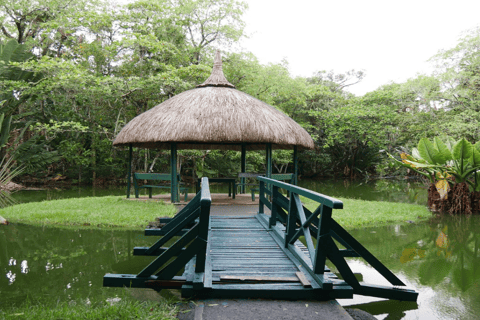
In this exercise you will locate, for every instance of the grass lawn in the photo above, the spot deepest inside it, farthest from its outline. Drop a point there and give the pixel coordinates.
(123, 307)
(361, 213)
(116, 211)
(111, 211)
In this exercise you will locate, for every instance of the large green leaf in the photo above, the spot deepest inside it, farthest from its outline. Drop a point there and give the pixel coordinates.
(416, 154)
(415, 164)
(6, 50)
(475, 158)
(14, 52)
(443, 150)
(428, 152)
(462, 151)
(449, 143)
(4, 129)
(477, 145)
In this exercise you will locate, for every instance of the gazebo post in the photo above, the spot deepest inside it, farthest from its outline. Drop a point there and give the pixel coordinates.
(295, 165)
(268, 151)
(243, 166)
(269, 160)
(173, 170)
(129, 173)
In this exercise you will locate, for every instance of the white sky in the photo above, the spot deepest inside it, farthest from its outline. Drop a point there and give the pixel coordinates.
(390, 40)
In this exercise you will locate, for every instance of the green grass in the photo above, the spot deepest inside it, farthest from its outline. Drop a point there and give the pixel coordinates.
(111, 211)
(119, 308)
(360, 213)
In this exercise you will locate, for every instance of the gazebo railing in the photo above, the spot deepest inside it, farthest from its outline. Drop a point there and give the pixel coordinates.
(321, 227)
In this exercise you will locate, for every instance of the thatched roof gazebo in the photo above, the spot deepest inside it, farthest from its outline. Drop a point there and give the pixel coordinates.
(214, 115)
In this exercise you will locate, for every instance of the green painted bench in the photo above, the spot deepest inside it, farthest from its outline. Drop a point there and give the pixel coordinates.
(288, 177)
(156, 177)
(244, 176)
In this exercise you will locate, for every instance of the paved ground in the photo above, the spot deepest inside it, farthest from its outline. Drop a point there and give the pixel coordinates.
(241, 309)
(218, 199)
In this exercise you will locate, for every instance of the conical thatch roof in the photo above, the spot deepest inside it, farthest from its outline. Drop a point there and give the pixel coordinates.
(214, 116)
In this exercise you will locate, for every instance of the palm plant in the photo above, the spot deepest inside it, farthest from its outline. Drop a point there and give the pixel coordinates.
(7, 173)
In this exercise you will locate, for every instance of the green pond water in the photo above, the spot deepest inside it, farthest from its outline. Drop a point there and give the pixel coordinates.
(439, 258)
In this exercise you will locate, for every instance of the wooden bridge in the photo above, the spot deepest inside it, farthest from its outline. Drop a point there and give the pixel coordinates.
(259, 256)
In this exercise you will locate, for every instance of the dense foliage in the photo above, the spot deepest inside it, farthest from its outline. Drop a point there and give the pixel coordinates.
(75, 73)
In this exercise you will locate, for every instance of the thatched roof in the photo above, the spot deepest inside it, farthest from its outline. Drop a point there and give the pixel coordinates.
(214, 116)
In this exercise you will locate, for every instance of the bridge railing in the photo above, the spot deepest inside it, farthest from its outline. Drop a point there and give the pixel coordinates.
(290, 220)
(191, 224)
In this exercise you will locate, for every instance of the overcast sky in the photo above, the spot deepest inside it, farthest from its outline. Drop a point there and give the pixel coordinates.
(390, 40)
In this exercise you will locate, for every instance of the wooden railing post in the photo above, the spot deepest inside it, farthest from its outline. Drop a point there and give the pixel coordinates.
(273, 217)
(291, 220)
(205, 202)
(323, 233)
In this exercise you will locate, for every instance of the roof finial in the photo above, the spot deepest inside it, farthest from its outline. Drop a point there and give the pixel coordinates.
(217, 78)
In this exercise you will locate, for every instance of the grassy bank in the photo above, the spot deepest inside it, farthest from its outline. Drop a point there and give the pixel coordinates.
(111, 211)
(361, 213)
(117, 308)
(116, 211)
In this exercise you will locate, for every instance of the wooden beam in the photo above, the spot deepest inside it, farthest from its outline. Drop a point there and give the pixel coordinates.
(303, 279)
(253, 278)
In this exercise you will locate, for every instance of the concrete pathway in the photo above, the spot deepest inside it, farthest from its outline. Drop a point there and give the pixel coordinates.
(241, 309)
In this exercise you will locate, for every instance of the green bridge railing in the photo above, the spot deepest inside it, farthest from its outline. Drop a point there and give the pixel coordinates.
(191, 225)
(290, 219)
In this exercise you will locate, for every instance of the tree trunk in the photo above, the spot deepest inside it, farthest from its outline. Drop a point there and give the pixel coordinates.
(461, 199)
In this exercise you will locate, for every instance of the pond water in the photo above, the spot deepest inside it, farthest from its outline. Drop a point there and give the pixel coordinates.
(439, 258)
(43, 264)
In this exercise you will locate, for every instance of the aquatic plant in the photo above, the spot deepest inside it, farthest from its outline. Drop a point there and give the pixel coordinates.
(453, 169)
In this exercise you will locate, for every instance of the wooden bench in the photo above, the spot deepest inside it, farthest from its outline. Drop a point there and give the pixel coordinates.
(246, 175)
(288, 177)
(156, 177)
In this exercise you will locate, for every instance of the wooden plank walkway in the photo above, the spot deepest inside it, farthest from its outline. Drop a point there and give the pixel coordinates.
(247, 261)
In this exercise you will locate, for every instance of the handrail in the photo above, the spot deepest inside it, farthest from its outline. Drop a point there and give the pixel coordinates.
(197, 208)
(302, 222)
(328, 201)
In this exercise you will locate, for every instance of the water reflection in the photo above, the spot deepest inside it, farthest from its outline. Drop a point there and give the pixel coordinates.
(51, 263)
(440, 259)
(404, 191)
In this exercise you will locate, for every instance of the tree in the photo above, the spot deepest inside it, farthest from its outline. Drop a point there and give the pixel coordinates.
(208, 21)
(44, 25)
(458, 70)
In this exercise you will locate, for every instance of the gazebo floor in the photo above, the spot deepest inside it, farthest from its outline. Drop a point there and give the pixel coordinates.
(218, 199)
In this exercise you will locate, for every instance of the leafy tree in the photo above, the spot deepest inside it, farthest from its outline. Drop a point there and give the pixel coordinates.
(458, 70)
(47, 26)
